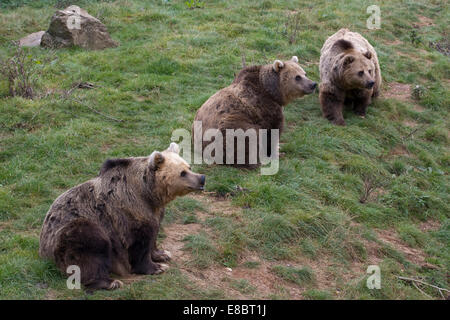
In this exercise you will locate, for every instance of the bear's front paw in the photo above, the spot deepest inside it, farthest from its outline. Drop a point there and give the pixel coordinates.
(115, 284)
(161, 268)
(361, 114)
(161, 256)
(339, 122)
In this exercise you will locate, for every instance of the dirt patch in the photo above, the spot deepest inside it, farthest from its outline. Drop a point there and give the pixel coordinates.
(141, 98)
(220, 205)
(399, 91)
(376, 194)
(423, 22)
(410, 123)
(218, 277)
(413, 255)
(4, 225)
(105, 147)
(395, 42)
(175, 234)
(399, 150)
(402, 92)
(213, 277)
(51, 295)
(259, 281)
(416, 56)
(262, 282)
(430, 225)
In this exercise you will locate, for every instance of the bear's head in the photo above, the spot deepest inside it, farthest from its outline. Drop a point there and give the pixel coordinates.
(172, 174)
(355, 70)
(293, 82)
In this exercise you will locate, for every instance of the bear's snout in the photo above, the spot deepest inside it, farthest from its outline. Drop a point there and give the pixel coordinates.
(196, 181)
(313, 86)
(370, 84)
(202, 180)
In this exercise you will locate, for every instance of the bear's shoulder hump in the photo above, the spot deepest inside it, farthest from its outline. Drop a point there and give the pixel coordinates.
(113, 163)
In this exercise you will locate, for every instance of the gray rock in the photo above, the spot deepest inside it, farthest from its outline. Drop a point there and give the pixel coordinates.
(73, 26)
(31, 40)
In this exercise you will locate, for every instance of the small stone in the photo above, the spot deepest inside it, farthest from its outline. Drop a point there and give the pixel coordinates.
(229, 269)
(32, 40)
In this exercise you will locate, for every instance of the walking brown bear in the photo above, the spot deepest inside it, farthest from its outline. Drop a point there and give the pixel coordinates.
(349, 75)
(109, 224)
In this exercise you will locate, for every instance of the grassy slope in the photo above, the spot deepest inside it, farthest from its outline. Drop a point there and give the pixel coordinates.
(170, 61)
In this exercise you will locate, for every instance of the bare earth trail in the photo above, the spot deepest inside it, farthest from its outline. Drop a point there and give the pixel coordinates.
(266, 284)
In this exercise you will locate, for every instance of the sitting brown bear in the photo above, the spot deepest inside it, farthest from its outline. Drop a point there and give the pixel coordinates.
(254, 100)
(349, 73)
(109, 224)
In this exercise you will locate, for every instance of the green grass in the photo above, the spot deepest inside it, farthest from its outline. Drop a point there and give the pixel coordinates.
(314, 294)
(170, 60)
(183, 209)
(251, 264)
(411, 235)
(202, 249)
(302, 276)
(243, 286)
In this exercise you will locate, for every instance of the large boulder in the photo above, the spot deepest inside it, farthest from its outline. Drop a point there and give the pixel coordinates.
(73, 26)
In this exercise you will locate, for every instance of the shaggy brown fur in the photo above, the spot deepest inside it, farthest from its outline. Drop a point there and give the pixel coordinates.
(255, 100)
(109, 224)
(349, 74)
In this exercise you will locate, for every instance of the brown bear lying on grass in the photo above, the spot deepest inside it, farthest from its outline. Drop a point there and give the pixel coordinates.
(255, 100)
(109, 224)
(349, 73)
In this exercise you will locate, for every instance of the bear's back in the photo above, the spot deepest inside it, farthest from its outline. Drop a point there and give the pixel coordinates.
(243, 104)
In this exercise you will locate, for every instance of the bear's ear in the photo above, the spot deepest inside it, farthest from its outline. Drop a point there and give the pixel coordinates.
(277, 65)
(156, 160)
(348, 60)
(174, 148)
(294, 59)
(368, 55)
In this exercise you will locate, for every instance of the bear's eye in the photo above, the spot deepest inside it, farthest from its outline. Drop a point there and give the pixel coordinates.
(298, 78)
(183, 173)
(361, 73)
(370, 72)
